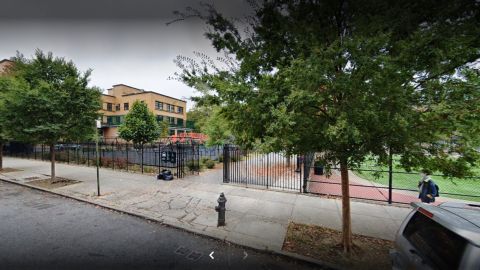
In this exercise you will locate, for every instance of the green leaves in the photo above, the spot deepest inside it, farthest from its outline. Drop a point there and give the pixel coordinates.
(352, 81)
(140, 125)
(52, 101)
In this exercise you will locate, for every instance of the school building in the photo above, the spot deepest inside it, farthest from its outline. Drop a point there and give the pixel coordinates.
(120, 98)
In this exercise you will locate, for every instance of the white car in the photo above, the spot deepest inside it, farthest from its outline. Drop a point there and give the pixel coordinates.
(446, 236)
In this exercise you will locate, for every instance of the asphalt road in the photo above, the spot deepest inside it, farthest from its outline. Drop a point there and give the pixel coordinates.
(43, 231)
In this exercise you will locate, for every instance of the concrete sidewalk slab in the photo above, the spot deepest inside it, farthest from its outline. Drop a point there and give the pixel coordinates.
(255, 218)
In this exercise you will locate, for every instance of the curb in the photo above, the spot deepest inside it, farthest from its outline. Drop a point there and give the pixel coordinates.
(281, 253)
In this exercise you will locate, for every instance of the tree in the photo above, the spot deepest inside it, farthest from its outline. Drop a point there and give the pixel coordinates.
(348, 79)
(53, 104)
(140, 126)
(210, 121)
(7, 85)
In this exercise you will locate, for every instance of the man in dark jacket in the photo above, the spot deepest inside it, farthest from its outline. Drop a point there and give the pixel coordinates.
(427, 188)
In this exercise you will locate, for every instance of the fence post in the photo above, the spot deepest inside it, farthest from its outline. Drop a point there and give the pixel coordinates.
(390, 175)
(307, 161)
(88, 154)
(226, 161)
(126, 150)
(113, 156)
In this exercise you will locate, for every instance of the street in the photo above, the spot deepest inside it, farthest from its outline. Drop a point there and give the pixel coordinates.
(43, 231)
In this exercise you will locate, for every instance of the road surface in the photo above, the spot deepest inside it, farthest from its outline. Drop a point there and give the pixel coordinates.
(44, 231)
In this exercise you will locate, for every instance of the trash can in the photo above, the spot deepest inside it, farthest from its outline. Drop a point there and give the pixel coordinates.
(318, 169)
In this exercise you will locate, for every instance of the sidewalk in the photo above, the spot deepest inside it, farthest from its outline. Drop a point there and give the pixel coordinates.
(255, 218)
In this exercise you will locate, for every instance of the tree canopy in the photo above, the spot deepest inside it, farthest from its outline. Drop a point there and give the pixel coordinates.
(140, 125)
(349, 79)
(53, 102)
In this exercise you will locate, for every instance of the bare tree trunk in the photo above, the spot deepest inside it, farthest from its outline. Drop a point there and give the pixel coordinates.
(52, 160)
(1, 156)
(346, 218)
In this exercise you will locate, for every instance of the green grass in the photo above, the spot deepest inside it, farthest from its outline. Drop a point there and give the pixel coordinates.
(405, 180)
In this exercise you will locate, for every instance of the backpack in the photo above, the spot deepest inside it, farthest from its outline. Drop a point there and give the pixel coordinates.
(437, 188)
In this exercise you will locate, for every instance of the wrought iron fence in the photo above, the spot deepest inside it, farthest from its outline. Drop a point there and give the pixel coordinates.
(181, 158)
(271, 170)
(391, 186)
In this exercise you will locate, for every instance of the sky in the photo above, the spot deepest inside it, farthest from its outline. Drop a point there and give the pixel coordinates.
(123, 41)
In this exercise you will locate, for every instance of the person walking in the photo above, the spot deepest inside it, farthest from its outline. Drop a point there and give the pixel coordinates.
(427, 188)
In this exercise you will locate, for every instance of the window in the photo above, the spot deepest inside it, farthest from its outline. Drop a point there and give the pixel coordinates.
(170, 108)
(115, 120)
(117, 107)
(109, 107)
(125, 106)
(159, 118)
(180, 122)
(436, 244)
(171, 120)
(180, 109)
(158, 105)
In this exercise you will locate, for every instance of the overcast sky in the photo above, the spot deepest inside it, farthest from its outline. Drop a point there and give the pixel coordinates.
(122, 41)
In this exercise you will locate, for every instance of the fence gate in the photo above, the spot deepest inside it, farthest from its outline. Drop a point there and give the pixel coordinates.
(271, 170)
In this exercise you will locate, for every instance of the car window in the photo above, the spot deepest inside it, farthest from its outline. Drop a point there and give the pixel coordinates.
(439, 246)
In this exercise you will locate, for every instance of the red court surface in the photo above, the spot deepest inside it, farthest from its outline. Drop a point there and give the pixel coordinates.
(360, 188)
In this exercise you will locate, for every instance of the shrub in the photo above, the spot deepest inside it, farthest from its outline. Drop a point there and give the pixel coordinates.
(203, 160)
(193, 165)
(210, 164)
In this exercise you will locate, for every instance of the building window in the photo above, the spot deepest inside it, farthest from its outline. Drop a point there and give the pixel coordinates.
(125, 106)
(109, 107)
(170, 108)
(159, 105)
(117, 107)
(180, 122)
(159, 118)
(180, 109)
(171, 120)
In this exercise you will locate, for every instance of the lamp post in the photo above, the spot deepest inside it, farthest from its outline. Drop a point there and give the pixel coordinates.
(99, 125)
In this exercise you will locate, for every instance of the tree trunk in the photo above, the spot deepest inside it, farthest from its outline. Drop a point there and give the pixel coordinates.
(346, 219)
(52, 160)
(1, 156)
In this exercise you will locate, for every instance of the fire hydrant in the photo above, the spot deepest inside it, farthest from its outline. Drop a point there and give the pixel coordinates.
(221, 209)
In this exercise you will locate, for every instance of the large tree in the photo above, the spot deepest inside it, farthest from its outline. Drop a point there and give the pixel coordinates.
(348, 79)
(54, 103)
(140, 126)
(7, 85)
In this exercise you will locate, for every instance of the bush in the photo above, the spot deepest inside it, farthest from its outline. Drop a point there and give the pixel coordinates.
(210, 164)
(203, 160)
(193, 165)
(220, 158)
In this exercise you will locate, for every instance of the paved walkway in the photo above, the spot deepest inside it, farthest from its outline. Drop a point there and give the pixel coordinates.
(255, 218)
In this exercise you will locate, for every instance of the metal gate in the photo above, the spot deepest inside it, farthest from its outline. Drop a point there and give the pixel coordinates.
(266, 170)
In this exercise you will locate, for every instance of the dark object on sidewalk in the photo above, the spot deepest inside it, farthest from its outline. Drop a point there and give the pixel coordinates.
(165, 175)
(221, 209)
(318, 168)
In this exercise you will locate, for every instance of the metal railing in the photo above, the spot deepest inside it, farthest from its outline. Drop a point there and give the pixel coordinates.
(181, 158)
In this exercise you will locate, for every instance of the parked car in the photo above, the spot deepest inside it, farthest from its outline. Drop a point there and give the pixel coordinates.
(446, 236)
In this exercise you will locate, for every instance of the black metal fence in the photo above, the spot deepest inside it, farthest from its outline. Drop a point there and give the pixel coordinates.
(391, 186)
(181, 158)
(271, 171)
(297, 173)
